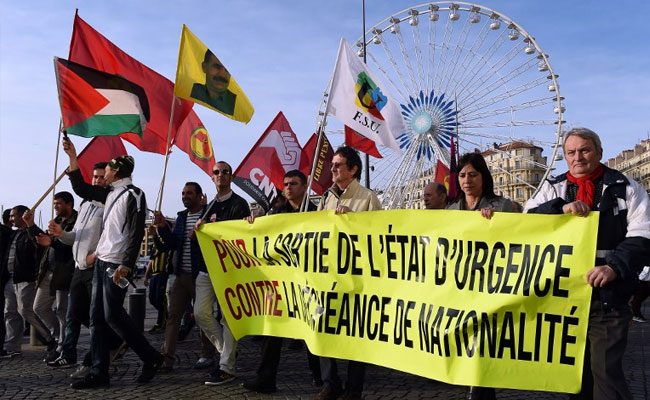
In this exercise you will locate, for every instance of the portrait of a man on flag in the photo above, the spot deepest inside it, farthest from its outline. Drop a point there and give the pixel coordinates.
(201, 77)
(215, 90)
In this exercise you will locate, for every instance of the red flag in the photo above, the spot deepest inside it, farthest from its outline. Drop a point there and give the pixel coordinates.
(361, 143)
(88, 47)
(193, 139)
(262, 171)
(100, 149)
(442, 175)
(323, 172)
(452, 192)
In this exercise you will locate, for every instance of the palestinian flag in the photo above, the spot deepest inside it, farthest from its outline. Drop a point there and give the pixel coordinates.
(96, 103)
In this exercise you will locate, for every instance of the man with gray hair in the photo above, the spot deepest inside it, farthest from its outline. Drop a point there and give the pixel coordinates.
(623, 248)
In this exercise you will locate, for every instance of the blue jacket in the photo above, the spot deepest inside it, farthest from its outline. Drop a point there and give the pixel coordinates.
(173, 240)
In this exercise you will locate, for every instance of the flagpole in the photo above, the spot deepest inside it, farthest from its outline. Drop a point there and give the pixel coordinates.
(56, 166)
(52, 186)
(363, 12)
(310, 181)
(168, 144)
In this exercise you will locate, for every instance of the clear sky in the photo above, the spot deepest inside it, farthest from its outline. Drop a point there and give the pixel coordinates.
(282, 54)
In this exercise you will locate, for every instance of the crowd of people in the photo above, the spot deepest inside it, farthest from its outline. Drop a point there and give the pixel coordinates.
(77, 272)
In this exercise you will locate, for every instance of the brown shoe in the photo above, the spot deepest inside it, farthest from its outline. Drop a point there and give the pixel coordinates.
(327, 393)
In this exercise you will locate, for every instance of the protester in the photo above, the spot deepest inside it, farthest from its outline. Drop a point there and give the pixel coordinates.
(5, 238)
(477, 188)
(115, 257)
(345, 195)
(476, 192)
(83, 237)
(227, 205)
(189, 261)
(155, 278)
(295, 189)
(55, 270)
(435, 196)
(623, 248)
(21, 265)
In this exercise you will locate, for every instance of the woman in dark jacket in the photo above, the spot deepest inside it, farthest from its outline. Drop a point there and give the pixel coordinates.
(476, 188)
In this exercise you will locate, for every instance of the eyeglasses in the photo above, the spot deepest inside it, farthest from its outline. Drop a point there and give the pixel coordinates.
(220, 172)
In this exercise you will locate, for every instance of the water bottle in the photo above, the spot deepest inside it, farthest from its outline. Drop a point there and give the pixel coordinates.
(123, 283)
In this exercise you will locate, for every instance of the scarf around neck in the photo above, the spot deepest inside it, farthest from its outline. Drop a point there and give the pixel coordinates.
(586, 186)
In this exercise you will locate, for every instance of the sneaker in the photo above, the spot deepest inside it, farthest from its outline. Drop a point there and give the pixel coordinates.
(639, 318)
(327, 393)
(61, 362)
(259, 386)
(150, 370)
(51, 356)
(10, 353)
(156, 329)
(317, 382)
(91, 382)
(219, 377)
(204, 363)
(81, 372)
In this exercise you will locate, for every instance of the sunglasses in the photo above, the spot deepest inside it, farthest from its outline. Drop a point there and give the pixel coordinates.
(220, 172)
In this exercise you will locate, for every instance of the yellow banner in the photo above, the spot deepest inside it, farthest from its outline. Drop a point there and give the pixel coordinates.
(447, 295)
(203, 79)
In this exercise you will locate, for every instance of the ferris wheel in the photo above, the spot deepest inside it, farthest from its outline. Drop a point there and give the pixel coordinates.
(461, 72)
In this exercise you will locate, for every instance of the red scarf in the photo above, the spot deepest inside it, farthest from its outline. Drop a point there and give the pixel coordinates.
(586, 187)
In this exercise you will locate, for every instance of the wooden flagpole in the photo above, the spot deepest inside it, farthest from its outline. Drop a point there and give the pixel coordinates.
(52, 186)
(168, 144)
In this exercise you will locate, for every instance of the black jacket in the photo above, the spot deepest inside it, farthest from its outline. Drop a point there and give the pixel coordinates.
(28, 255)
(63, 260)
(623, 229)
(173, 240)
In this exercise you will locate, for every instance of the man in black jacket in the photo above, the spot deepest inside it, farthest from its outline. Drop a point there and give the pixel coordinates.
(227, 205)
(116, 253)
(295, 189)
(21, 264)
(5, 237)
(55, 270)
(623, 248)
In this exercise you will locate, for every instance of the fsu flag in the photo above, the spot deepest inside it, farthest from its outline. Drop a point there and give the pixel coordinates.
(100, 149)
(262, 171)
(95, 103)
(359, 100)
(354, 140)
(323, 171)
(203, 79)
(193, 139)
(88, 47)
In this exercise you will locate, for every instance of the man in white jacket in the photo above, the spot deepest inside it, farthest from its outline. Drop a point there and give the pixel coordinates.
(83, 238)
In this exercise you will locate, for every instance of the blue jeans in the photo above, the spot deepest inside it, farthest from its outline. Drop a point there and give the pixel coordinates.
(107, 311)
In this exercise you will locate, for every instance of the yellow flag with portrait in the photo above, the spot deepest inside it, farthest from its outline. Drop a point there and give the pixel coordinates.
(202, 78)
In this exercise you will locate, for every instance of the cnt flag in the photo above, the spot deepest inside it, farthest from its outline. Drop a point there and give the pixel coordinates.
(359, 100)
(96, 103)
(276, 152)
(203, 79)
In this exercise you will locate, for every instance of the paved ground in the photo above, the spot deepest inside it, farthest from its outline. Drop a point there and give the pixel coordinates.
(26, 377)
